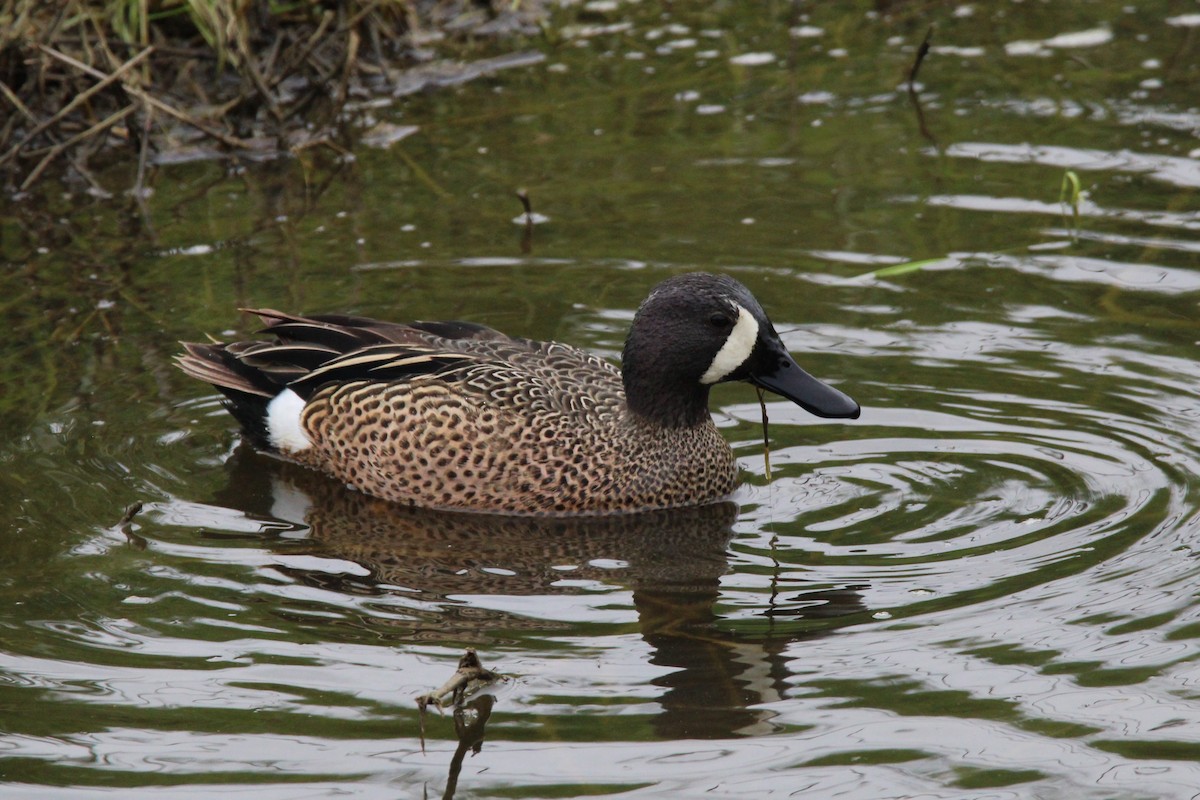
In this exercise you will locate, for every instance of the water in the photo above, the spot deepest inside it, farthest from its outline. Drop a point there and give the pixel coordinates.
(983, 588)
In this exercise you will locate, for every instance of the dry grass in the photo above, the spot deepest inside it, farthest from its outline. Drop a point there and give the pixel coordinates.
(78, 76)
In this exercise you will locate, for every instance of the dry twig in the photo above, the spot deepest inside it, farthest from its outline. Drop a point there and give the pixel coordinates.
(470, 674)
(59, 148)
(922, 51)
(153, 101)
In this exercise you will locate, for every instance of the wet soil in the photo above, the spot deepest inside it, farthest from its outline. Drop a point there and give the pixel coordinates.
(79, 92)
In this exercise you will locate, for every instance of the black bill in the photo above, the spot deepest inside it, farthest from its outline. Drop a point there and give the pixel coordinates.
(790, 381)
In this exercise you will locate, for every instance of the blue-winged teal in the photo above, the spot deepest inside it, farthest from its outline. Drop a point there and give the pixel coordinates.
(459, 416)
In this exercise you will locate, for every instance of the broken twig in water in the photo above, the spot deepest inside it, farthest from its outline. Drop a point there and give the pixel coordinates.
(527, 236)
(470, 675)
(922, 51)
(913, 97)
(131, 511)
(126, 522)
(762, 404)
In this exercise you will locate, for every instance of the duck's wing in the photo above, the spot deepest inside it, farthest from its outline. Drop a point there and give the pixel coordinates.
(347, 333)
(305, 344)
(481, 365)
(517, 375)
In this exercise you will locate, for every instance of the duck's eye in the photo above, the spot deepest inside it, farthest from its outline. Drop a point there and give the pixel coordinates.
(720, 321)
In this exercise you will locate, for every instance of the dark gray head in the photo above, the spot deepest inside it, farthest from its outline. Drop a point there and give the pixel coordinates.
(697, 330)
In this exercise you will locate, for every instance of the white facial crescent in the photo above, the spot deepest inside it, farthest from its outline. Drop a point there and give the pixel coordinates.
(736, 350)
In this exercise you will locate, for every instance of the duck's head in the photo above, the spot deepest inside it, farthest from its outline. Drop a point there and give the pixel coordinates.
(697, 330)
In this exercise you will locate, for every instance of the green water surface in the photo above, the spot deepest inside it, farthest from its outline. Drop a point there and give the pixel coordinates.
(985, 587)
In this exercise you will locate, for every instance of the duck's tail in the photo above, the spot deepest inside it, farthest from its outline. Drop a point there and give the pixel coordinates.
(248, 390)
(267, 382)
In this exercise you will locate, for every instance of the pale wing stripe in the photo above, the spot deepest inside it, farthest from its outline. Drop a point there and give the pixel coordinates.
(352, 361)
(423, 359)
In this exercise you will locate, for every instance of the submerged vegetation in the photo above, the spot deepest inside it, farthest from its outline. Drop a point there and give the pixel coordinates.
(78, 76)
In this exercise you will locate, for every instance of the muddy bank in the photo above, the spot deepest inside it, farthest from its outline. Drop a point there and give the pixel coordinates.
(85, 81)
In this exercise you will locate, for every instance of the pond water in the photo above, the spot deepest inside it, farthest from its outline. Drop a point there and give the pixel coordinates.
(985, 587)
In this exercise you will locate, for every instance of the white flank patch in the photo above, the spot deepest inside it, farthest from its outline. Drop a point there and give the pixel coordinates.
(283, 423)
(736, 350)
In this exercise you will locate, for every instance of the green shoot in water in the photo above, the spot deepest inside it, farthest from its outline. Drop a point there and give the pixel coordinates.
(1070, 193)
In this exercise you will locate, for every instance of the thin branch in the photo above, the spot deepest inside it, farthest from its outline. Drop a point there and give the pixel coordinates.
(77, 164)
(131, 511)
(57, 150)
(139, 188)
(922, 51)
(318, 37)
(125, 526)
(148, 99)
(263, 88)
(348, 66)
(80, 98)
(16, 101)
(527, 236)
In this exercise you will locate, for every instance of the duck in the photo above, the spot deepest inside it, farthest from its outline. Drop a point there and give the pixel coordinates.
(458, 416)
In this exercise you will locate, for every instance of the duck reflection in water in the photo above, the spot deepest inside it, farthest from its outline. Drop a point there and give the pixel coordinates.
(671, 560)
